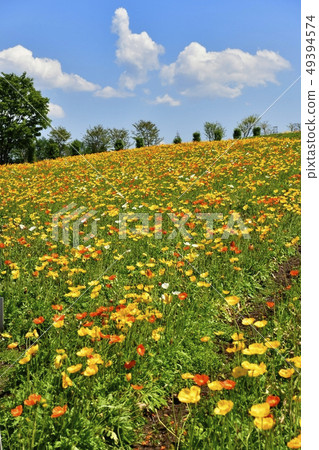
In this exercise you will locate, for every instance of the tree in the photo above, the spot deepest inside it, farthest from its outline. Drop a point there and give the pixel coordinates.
(212, 129)
(119, 134)
(196, 136)
(139, 142)
(294, 126)
(148, 131)
(119, 145)
(237, 133)
(256, 131)
(46, 149)
(177, 139)
(23, 114)
(60, 136)
(247, 124)
(265, 127)
(96, 140)
(75, 147)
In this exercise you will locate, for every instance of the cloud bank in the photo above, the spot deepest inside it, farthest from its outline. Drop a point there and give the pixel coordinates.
(201, 73)
(46, 72)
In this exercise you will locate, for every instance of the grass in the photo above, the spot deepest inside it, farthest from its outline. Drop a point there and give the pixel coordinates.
(157, 310)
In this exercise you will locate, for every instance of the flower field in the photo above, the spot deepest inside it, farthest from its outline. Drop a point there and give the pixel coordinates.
(169, 316)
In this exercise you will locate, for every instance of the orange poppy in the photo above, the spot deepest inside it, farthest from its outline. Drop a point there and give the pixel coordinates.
(228, 384)
(200, 380)
(17, 411)
(137, 387)
(270, 304)
(33, 399)
(140, 349)
(81, 316)
(294, 273)
(182, 295)
(57, 307)
(38, 320)
(58, 411)
(272, 400)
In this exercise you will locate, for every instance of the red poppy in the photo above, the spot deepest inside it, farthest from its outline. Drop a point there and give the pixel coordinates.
(140, 349)
(88, 324)
(38, 320)
(228, 384)
(137, 387)
(112, 277)
(58, 411)
(182, 295)
(200, 380)
(35, 273)
(57, 317)
(152, 319)
(272, 400)
(17, 411)
(57, 307)
(8, 262)
(270, 304)
(81, 316)
(129, 364)
(294, 273)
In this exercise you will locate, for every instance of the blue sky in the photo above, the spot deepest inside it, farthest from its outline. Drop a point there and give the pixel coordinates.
(176, 63)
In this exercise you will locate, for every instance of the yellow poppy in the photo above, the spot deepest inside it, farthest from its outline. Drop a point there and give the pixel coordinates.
(260, 410)
(264, 423)
(74, 369)
(215, 386)
(223, 407)
(191, 395)
(232, 300)
(286, 373)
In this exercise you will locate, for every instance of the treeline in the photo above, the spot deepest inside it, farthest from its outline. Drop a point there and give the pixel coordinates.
(24, 114)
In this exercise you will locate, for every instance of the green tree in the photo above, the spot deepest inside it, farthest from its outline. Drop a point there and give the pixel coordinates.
(139, 142)
(177, 139)
(196, 136)
(75, 148)
(23, 114)
(96, 140)
(46, 149)
(60, 136)
(247, 124)
(214, 131)
(119, 134)
(237, 133)
(148, 131)
(119, 145)
(256, 131)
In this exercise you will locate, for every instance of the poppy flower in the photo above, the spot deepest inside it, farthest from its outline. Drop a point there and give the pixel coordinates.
(58, 411)
(232, 300)
(140, 349)
(286, 373)
(74, 369)
(81, 316)
(223, 407)
(13, 345)
(264, 423)
(33, 399)
(38, 320)
(136, 387)
(294, 273)
(228, 384)
(57, 307)
(215, 386)
(191, 395)
(182, 296)
(66, 381)
(273, 400)
(239, 372)
(17, 411)
(260, 410)
(295, 442)
(128, 365)
(200, 380)
(270, 304)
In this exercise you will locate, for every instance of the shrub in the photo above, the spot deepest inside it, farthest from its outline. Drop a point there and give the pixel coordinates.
(139, 141)
(177, 139)
(237, 133)
(196, 136)
(256, 131)
(118, 145)
(218, 135)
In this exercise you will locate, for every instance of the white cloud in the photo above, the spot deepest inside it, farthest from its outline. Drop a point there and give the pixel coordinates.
(109, 92)
(55, 111)
(46, 72)
(138, 53)
(202, 73)
(166, 99)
